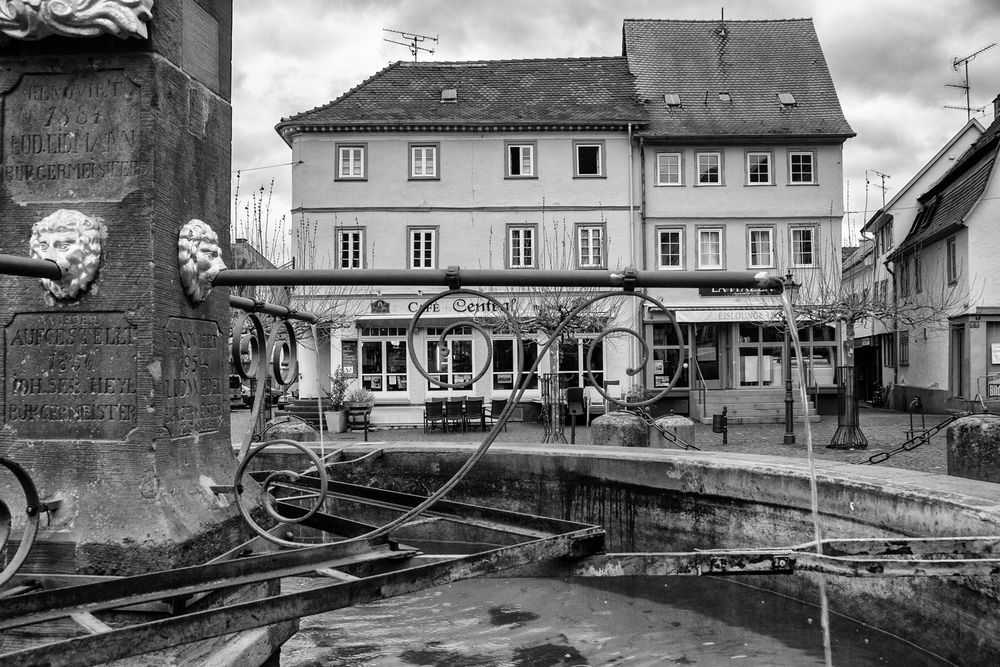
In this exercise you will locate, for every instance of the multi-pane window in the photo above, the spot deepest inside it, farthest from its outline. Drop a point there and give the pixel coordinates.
(589, 158)
(710, 248)
(520, 247)
(800, 168)
(951, 250)
(671, 248)
(506, 354)
(667, 348)
(709, 168)
(351, 162)
(573, 362)
(758, 168)
(450, 361)
(590, 246)
(668, 169)
(350, 249)
(383, 360)
(761, 248)
(424, 161)
(422, 248)
(520, 160)
(904, 277)
(803, 246)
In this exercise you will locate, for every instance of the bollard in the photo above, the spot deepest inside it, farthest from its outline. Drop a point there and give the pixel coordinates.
(720, 424)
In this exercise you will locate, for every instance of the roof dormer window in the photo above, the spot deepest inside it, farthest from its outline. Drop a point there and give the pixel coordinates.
(786, 99)
(672, 99)
(449, 95)
(725, 97)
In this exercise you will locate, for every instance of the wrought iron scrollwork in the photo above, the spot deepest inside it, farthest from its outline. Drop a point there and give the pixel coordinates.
(317, 497)
(32, 510)
(276, 480)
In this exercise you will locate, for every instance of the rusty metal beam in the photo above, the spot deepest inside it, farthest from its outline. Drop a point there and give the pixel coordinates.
(48, 605)
(161, 634)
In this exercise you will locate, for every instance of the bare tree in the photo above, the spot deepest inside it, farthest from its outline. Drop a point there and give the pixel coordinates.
(861, 295)
(272, 244)
(544, 310)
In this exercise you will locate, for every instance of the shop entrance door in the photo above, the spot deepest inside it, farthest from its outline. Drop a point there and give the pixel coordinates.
(708, 347)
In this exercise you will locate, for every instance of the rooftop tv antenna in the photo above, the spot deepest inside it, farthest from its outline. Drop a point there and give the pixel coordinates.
(965, 86)
(881, 187)
(413, 41)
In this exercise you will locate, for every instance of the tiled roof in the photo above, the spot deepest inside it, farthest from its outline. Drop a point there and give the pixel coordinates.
(753, 61)
(950, 199)
(561, 91)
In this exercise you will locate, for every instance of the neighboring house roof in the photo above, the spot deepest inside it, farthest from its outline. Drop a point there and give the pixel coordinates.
(543, 94)
(855, 256)
(753, 61)
(945, 206)
(874, 222)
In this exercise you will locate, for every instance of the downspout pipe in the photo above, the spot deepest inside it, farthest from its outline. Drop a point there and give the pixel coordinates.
(636, 308)
(895, 326)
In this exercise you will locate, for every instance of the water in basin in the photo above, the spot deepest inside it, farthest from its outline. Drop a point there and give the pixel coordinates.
(548, 622)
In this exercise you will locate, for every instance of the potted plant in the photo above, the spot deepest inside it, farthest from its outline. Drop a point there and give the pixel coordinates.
(336, 417)
(359, 397)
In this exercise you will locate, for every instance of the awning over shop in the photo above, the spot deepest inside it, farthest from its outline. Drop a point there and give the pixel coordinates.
(403, 321)
(745, 315)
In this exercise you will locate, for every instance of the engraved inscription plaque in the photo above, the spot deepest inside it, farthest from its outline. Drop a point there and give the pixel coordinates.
(71, 137)
(71, 376)
(193, 373)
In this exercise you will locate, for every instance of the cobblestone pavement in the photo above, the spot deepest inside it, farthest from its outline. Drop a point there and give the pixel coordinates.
(884, 429)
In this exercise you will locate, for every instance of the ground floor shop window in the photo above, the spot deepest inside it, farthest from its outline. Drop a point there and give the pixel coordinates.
(383, 361)
(667, 356)
(449, 361)
(760, 348)
(819, 348)
(505, 362)
(573, 363)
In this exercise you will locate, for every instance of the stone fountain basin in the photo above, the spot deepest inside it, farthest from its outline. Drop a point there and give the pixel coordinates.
(670, 500)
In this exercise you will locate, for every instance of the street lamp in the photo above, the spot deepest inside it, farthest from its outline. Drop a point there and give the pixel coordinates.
(790, 288)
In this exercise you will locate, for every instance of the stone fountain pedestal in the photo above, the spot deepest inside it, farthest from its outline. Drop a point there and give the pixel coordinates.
(115, 399)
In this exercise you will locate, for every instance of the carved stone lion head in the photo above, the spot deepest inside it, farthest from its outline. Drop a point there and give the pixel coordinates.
(73, 240)
(199, 259)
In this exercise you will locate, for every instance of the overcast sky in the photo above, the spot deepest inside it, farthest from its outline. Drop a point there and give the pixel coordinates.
(890, 60)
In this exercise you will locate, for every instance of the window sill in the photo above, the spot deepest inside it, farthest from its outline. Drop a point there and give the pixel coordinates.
(790, 183)
(517, 177)
(589, 176)
(350, 179)
(668, 185)
(709, 185)
(424, 178)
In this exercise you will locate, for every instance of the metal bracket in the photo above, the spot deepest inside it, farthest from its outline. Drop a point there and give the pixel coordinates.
(629, 279)
(452, 278)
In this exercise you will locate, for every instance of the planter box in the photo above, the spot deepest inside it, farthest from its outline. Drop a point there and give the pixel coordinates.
(336, 421)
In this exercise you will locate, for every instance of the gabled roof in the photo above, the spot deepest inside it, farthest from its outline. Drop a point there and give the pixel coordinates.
(543, 93)
(752, 61)
(945, 206)
(874, 222)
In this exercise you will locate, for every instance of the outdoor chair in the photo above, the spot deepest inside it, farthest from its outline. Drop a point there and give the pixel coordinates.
(575, 406)
(359, 418)
(454, 412)
(475, 416)
(434, 415)
(497, 406)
